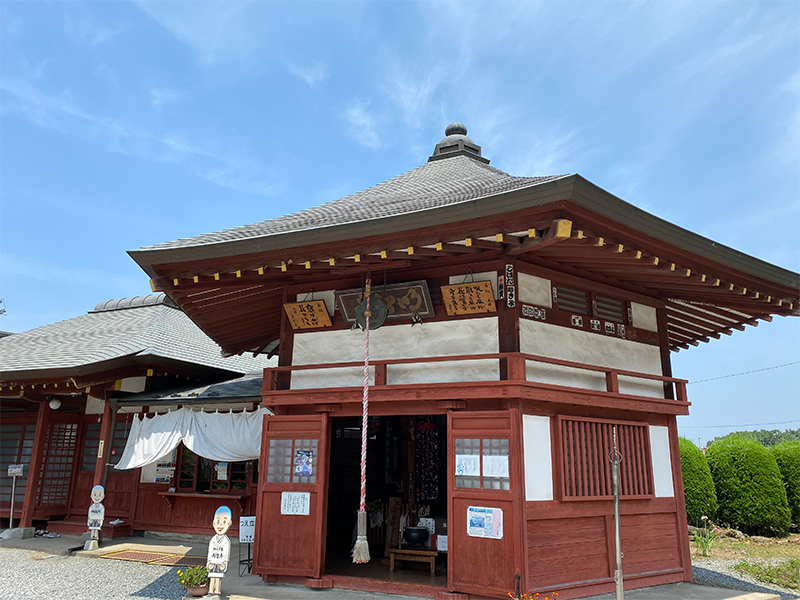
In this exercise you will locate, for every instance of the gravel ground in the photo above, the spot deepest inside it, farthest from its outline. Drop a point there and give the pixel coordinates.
(32, 575)
(26, 574)
(718, 572)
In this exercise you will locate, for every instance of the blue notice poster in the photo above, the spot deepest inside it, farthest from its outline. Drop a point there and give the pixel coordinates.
(303, 463)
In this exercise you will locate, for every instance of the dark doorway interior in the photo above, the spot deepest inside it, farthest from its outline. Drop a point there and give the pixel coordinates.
(407, 462)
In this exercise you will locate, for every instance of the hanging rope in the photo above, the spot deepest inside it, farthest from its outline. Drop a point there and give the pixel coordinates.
(361, 549)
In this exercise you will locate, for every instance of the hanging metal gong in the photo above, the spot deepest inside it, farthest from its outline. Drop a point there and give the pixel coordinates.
(379, 313)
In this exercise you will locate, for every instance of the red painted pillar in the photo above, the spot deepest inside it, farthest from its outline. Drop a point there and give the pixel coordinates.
(104, 449)
(35, 467)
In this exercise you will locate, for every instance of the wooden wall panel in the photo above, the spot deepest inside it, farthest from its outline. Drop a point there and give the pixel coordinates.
(150, 507)
(650, 543)
(484, 566)
(562, 550)
(570, 546)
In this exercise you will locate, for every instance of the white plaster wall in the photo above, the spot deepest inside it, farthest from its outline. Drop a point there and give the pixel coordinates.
(490, 276)
(94, 406)
(133, 384)
(644, 317)
(662, 462)
(575, 345)
(534, 290)
(442, 338)
(537, 455)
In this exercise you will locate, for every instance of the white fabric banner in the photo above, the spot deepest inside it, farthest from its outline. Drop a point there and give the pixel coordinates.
(228, 437)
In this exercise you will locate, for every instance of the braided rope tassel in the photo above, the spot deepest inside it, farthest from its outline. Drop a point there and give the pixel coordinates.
(361, 549)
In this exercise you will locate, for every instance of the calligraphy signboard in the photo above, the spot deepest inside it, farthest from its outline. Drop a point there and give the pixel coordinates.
(403, 300)
(468, 298)
(307, 315)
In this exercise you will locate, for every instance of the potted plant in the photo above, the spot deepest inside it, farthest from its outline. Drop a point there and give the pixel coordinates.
(195, 580)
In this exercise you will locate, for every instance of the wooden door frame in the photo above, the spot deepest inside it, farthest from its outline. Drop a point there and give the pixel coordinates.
(513, 495)
(320, 488)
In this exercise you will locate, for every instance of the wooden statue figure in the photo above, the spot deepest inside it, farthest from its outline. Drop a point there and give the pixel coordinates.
(219, 549)
(97, 513)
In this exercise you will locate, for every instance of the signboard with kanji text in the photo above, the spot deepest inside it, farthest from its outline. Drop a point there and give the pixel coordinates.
(308, 315)
(468, 298)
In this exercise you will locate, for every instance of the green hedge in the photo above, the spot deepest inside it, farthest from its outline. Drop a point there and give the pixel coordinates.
(750, 490)
(698, 486)
(787, 455)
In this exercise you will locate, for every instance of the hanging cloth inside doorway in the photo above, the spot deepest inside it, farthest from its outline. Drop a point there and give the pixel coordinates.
(226, 437)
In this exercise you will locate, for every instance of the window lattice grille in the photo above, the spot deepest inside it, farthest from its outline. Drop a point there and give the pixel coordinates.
(586, 468)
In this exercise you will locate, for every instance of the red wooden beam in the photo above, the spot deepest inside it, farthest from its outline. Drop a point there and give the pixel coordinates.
(35, 467)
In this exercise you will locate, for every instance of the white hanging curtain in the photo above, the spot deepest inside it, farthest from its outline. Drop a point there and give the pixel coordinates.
(226, 437)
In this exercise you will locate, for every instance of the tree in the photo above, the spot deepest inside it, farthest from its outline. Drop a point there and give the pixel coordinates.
(750, 491)
(698, 486)
(766, 437)
(787, 455)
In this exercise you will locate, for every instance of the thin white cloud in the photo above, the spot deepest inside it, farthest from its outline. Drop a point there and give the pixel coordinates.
(311, 75)
(363, 125)
(160, 97)
(226, 167)
(412, 89)
(83, 29)
(215, 31)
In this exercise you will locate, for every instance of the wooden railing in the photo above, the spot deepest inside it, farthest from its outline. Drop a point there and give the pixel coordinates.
(512, 367)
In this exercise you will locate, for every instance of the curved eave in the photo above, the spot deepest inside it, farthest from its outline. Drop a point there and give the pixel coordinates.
(573, 188)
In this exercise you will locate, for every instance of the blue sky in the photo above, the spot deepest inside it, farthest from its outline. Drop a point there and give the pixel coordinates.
(128, 124)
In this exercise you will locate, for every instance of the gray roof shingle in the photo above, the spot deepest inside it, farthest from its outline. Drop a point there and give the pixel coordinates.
(247, 387)
(154, 328)
(432, 185)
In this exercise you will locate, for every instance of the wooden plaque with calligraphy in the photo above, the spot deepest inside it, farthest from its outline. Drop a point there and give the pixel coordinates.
(468, 298)
(402, 300)
(307, 315)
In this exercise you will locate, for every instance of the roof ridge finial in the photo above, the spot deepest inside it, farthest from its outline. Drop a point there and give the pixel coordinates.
(456, 143)
(457, 128)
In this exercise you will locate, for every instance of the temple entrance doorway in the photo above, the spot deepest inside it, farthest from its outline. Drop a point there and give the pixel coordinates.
(406, 482)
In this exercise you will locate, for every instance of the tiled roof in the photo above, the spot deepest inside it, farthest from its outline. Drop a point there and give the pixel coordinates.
(155, 328)
(247, 387)
(434, 184)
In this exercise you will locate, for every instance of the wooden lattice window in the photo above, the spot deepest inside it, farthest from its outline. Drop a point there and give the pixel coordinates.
(482, 463)
(58, 454)
(609, 309)
(91, 442)
(16, 443)
(586, 447)
(292, 461)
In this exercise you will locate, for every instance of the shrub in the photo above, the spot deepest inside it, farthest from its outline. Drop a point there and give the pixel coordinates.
(787, 455)
(698, 487)
(750, 491)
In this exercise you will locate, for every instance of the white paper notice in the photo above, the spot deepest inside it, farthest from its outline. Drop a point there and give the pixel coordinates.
(495, 465)
(485, 522)
(468, 465)
(247, 530)
(295, 503)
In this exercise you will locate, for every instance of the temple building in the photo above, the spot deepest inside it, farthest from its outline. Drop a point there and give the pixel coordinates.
(525, 325)
(70, 393)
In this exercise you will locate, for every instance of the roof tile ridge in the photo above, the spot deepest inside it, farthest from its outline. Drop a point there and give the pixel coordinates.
(286, 216)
